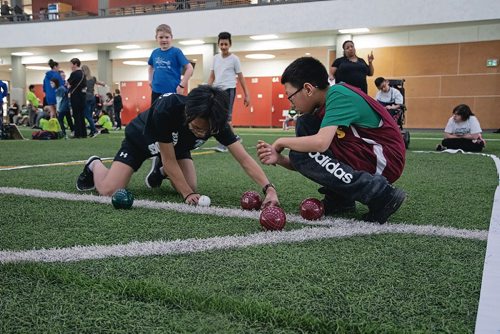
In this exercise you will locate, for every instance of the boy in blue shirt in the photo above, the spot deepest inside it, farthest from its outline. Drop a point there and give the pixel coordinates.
(165, 65)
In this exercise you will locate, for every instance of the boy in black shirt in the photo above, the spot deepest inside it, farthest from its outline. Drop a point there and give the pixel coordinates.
(168, 131)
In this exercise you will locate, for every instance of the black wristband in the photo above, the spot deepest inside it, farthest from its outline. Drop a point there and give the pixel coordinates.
(181, 86)
(267, 186)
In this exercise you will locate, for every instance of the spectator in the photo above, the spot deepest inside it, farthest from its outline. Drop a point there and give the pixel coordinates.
(226, 67)
(90, 98)
(462, 131)
(48, 88)
(33, 103)
(5, 10)
(351, 69)
(389, 97)
(165, 64)
(63, 109)
(77, 89)
(104, 124)
(4, 92)
(108, 106)
(13, 111)
(118, 106)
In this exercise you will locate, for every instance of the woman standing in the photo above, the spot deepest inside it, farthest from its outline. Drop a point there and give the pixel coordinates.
(77, 88)
(351, 69)
(50, 92)
(108, 105)
(91, 81)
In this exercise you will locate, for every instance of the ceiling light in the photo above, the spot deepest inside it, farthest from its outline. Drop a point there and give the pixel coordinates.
(194, 59)
(308, 53)
(22, 53)
(192, 42)
(260, 56)
(135, 62)
(128, 47)
(354, 31)
(71, 50)
(263, 37)
(37, 68)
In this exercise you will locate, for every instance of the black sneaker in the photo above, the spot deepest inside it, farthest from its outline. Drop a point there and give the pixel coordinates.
(336, 205)
(85, 180)
(391, 205)
(154, 177)
(333, 210)
(440, 148)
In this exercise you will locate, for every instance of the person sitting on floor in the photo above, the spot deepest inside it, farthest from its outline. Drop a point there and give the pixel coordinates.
(463, 131)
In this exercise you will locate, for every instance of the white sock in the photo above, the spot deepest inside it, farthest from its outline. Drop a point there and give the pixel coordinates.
(91, 165)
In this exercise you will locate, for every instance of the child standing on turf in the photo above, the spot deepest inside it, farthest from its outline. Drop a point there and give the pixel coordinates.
(225, 68)
(346, 142)
(165, 65)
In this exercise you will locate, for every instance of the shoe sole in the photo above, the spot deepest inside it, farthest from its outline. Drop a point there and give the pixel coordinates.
(391, 208)
(153, 165)
(89, 160)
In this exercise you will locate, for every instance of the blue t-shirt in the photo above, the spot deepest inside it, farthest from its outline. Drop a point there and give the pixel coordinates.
(167, 67)
(50, 93)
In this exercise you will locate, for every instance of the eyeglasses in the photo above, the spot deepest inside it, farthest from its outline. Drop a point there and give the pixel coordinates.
(292, 95)
(201, 131)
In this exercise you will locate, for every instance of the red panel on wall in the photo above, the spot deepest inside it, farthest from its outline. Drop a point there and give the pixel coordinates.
(136, 98)
(268, 100)
(39, 93)
(126, 3)
(90, 6)
(280, 102)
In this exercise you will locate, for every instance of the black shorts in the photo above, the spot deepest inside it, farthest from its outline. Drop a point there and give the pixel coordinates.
(133, 156)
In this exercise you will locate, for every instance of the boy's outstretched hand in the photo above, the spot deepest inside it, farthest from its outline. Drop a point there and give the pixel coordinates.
(266, 153)
(271, 198)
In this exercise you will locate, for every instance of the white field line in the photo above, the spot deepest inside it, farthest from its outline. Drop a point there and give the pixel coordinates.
(488, 320)
(335, 228)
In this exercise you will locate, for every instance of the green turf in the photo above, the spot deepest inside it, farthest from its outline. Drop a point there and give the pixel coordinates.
(390, 283)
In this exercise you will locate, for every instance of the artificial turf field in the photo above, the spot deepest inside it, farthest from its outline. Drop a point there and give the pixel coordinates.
(216, 272)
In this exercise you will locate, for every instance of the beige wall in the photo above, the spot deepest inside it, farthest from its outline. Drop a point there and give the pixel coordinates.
(438, 77)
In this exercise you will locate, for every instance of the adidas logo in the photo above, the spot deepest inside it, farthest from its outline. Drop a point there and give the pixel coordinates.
(331, 167)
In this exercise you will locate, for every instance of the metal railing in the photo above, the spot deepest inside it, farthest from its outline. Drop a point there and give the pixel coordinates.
(173, 6)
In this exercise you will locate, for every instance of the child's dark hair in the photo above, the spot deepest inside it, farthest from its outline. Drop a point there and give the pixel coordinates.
(209, 103)
(463, 111)
(53, 63)
(224, 35)
(108, 94)
(306, 70)
(76, 61)
(30, 87)
(117, 91)
(56, 82)
(379, 81)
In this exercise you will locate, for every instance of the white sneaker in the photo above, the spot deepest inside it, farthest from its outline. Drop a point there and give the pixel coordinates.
(221, 148)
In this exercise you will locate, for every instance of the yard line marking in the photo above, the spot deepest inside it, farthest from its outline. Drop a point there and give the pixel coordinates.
(194, 245)
(71, 163)
(487, 320)
(331, 228)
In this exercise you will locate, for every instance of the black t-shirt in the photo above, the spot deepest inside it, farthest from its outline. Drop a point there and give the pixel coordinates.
(165, 122)
(77, 82)
(352, 73)
(117, 103)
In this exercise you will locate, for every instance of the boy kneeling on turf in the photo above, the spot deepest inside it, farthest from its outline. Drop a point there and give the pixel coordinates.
(346, 142)
(168, 131)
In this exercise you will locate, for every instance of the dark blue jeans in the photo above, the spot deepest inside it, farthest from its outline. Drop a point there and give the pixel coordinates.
(89, 112)
(341, 183)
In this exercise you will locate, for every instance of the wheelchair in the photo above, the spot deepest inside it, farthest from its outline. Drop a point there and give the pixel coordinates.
(399, 115)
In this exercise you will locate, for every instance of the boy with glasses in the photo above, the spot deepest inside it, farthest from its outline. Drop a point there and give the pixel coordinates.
(346, 142)
(168, 131)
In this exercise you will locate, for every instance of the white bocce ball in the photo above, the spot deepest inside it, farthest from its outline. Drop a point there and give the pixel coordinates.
(204, 201)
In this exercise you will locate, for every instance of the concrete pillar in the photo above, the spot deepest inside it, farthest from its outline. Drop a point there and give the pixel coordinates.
(18, 80)
(104, 67)
(102, 7)
(208, 59)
